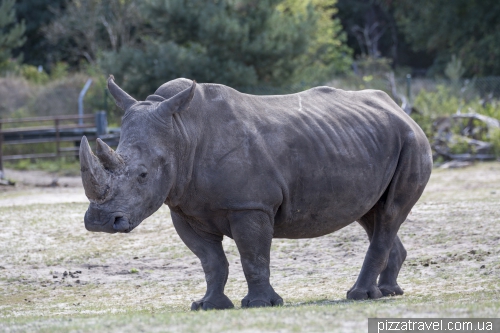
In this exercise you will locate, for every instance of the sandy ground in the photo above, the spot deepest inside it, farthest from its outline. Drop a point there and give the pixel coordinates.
(38, 187)
(50, 265)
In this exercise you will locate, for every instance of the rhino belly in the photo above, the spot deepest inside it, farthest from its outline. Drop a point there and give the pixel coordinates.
(315, 213)
(323, 194)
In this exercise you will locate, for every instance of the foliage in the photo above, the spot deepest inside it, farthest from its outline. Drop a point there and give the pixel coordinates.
(495, 140)
(454, 69)
(59, 70)
(469, 29)
(36, 14)
(98, 98)
(238, 43)
(142, 71)
(87, 27)
(11, 32)
(34, 74)
(327, 47)
(491, 109)
(15, 92)
(367, 65)
(372, 31)
(445, 101)
(459, 145)
(442, 102)
(36, 93)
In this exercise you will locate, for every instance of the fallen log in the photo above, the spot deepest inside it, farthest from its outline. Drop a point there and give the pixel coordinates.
(468, 130)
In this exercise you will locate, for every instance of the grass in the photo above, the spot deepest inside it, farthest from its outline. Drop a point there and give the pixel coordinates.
(312, 316)
(63, 166)
(146, 280)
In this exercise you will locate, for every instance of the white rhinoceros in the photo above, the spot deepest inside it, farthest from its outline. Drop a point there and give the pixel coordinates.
(254, 168)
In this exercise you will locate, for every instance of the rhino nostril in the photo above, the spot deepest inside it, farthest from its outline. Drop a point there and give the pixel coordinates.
(121, 223)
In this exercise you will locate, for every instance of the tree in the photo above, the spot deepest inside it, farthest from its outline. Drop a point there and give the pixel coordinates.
(87, 27)
(328, 53)
(239, 43)
(11, 32)
(370, 26)
(36, 14)
(468, 28)
(373, 32)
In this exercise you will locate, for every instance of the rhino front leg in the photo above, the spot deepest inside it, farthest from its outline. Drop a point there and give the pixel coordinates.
(213, 259)
(253, 232)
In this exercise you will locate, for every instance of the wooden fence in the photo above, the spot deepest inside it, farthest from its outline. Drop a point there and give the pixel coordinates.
(55, 129)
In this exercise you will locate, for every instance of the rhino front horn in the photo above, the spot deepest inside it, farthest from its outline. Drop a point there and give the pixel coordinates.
(108, 157)
(122, 99)
(94, 178)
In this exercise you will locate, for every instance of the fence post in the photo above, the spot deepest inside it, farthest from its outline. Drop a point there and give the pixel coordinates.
(106, 99)
(408, 88)
(57, 137)
(80, 100)
(101, 123)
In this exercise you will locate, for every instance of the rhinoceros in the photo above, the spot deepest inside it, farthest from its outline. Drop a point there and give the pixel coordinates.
(254, 168)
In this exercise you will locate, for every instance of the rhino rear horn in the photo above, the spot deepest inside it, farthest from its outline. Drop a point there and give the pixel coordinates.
(94, 178)
(108, 157)
(177, 103)
(122, 99)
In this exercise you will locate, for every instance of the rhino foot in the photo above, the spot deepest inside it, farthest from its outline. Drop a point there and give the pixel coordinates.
(258, 302)
(360, 293)
(212, 303)
(388, 290)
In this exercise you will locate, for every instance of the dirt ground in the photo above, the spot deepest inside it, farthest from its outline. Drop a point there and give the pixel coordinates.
(52, 268)
(38, 187)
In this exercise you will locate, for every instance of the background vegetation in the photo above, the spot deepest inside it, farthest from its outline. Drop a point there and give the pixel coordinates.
(48, 49)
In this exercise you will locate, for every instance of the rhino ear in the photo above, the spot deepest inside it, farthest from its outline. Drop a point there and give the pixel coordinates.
(177, 103)
(122, 99)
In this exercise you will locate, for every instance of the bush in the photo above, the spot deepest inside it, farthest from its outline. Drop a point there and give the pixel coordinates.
(15, 93)
(34, 74)
(495, 141)
(445, 101)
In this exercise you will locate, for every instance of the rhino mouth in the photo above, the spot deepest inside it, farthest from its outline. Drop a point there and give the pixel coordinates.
(117, 222)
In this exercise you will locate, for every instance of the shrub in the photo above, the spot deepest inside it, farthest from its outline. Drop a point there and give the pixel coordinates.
(495, 141)
(34, 74)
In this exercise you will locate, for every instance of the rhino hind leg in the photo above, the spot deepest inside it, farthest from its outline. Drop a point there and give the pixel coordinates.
(387, 282)
(386, 254)
(378, 257)
(214, 262)
(253, 232)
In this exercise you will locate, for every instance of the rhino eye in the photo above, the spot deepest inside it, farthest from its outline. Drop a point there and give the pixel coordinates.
(141, 178)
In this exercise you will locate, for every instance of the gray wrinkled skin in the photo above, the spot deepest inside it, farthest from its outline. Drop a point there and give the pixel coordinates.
(255, 168)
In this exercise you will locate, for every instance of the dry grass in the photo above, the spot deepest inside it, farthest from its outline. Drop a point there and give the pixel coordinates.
(15, 93)
(146, 280)
(23, 98)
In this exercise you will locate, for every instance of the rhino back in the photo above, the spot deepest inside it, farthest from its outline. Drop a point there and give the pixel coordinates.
(315, 161)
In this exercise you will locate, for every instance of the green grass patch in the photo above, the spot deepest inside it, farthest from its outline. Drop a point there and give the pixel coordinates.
(63, 166)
